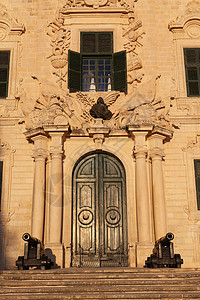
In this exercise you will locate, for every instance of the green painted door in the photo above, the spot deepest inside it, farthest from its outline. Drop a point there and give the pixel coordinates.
(99, 236)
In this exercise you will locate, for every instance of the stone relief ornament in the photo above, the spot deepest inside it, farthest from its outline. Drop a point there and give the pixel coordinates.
(54, 106)
(132, 36)
(9, 25)
(96, 3)
(60, 43)
(192, 11)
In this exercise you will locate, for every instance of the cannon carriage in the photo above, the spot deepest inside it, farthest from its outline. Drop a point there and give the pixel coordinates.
(34, 254)
(163, 254)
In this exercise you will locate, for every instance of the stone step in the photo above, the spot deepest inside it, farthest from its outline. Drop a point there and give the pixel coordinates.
(109, 282)
(89, 274)
(99, 288)
(106, 296)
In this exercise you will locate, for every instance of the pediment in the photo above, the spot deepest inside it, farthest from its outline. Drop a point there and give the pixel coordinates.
(9, 25)
(188, 20)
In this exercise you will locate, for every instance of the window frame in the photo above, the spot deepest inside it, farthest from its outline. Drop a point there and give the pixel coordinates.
(96, 55)
(5, 66)
(118, 70)
(196, 65)
(197, 161)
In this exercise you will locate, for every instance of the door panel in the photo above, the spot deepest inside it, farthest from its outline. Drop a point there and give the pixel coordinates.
(99, 212)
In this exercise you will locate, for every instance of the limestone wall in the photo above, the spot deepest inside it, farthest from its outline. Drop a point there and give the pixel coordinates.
(159, 50)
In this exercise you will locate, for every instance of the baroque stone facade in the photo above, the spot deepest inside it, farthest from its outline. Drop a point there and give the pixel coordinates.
(150, 131)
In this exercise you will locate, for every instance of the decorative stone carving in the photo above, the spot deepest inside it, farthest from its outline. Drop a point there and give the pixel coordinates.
(98, 131)
(89, 101)
(96, 3)
(132, 36)
(192, 12)
(9, 25)
(188, 23)
(100, 110)
(60, 43)
(193, 145)
(127, 4)
(55, 107)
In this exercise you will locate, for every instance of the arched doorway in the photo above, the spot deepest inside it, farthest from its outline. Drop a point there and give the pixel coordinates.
(99, 230)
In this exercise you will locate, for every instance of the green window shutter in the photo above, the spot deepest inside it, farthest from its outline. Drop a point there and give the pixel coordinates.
(120, 71)
(96, 43)
(192, 71)
(74, 71)
(197, 179)
(105, 42)
(88, 42)
(4, 73)
(1, 174)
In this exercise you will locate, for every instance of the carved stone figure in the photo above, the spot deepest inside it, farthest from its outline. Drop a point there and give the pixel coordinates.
(100, 110)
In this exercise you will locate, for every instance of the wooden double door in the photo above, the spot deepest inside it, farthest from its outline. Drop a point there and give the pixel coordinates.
(99, 231)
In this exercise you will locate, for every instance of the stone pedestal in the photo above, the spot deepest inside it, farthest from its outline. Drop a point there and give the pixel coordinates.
(143, 250)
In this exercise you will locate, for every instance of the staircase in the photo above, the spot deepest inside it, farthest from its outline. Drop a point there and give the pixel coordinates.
(101, 283)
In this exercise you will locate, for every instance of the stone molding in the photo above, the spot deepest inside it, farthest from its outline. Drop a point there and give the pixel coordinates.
(191, 13)
(7, 156)
(191, 152)
(9, 25)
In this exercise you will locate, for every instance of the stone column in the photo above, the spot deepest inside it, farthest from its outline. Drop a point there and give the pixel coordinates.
(156, 154)
(56, 188)
(142, 193)
(56, 194)
(144, 244)
(39, 155)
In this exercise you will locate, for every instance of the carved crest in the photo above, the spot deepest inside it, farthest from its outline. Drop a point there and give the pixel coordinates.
(96, 3)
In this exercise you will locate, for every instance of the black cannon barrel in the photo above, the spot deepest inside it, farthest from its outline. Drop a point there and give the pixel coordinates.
(165, 239)
(31, 240)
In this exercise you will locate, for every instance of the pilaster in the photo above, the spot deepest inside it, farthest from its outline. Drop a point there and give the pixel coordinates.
(156, 153)
(39, 154)
(144, 245)
(54, 244)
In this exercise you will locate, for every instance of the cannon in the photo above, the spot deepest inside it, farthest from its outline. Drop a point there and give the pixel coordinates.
(34, 254)
(163, 254)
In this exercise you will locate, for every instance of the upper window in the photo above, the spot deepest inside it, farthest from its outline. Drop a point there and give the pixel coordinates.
(4, 73)
(192, 69)
(96, 67)
(197, 179)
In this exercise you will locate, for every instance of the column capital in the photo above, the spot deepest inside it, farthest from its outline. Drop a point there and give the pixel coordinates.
(140, 151)
(156, 153)
(40, 153)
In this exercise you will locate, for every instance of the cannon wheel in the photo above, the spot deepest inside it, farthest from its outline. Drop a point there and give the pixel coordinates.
(154, 261)
(178, 260)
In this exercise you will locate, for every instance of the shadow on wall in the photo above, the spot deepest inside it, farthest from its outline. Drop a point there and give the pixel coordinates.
(50, 255)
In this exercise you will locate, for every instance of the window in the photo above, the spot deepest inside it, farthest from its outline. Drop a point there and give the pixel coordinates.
(197, 179)
(192, 69)
(4, 73)
(96, 67)
(1, 173)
